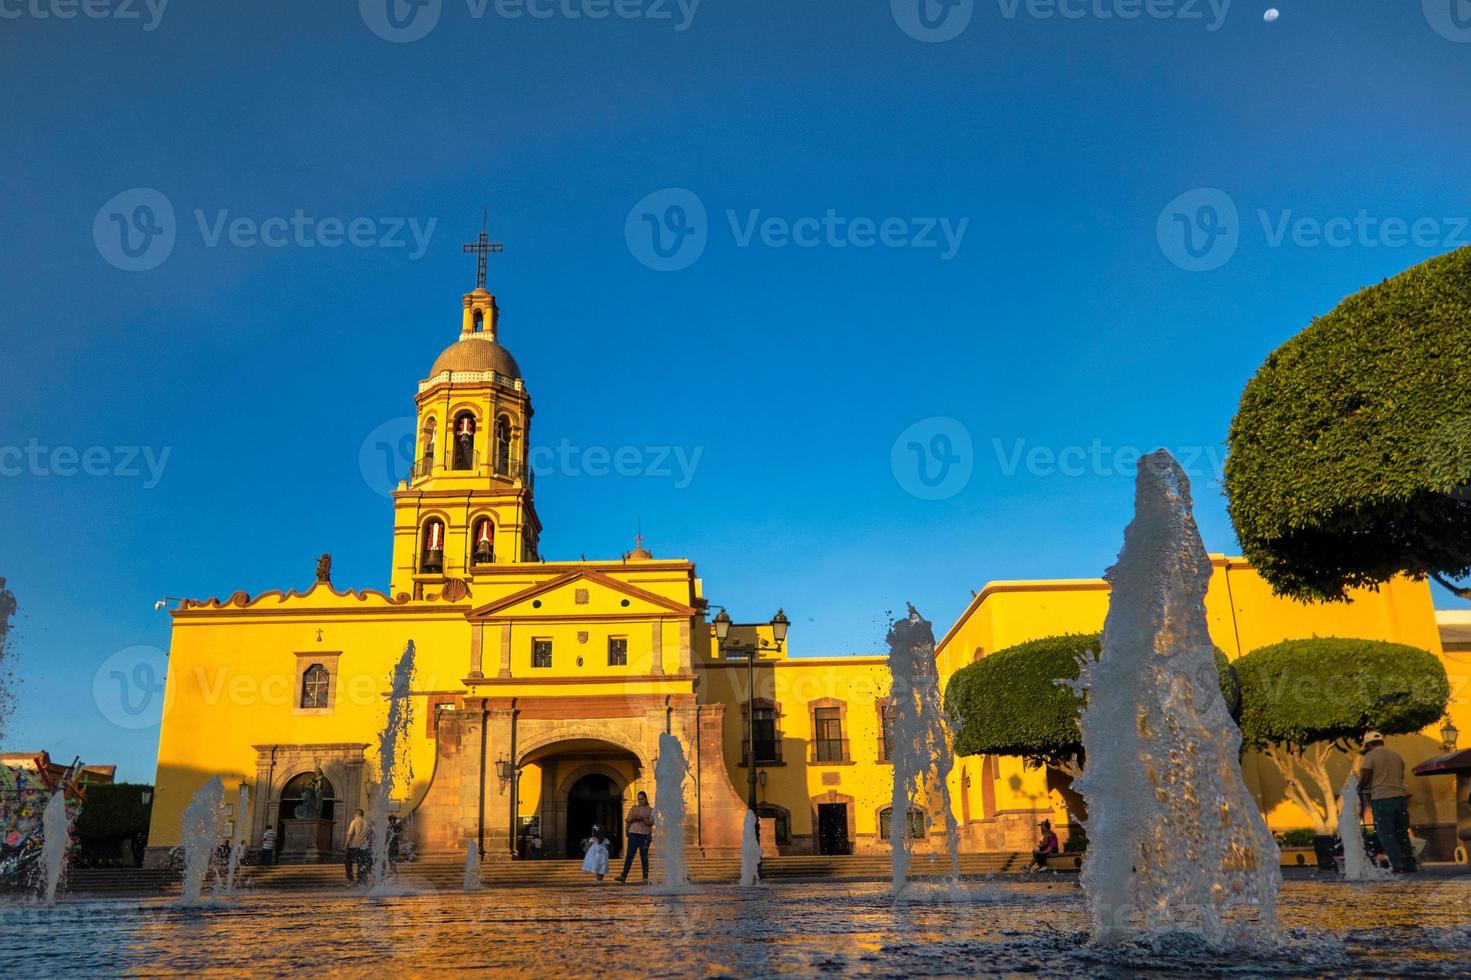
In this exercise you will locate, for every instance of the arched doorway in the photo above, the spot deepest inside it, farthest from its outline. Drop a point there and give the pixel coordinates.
(594, 799)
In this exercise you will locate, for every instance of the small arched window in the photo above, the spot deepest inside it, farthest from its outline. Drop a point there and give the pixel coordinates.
(316, 685)
(917, 821)
(464, 441)
(503, 445)
(479, 320)
(482, 542)
(432, 556)
(428, 436)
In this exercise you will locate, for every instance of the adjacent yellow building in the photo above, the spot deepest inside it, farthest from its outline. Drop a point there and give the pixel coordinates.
(542, 685)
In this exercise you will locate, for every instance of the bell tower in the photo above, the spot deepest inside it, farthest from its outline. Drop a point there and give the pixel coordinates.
(468, 502)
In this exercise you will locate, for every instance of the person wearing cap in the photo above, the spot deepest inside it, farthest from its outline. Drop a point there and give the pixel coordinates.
(1382, 783)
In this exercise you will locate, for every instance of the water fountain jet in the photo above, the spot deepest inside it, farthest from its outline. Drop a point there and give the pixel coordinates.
(474, 878)
(1179, 846)
(919, 744)
(751, 851)
(393, 742)
(56, 828)
(670, 771)
(200, 826)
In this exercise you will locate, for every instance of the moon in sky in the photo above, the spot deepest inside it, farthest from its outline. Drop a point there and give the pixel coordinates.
(1271, 15)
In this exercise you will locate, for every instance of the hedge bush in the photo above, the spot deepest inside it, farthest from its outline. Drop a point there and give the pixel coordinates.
(1350, 454)
(113, 811)
(1008, 703)
(1334, 689)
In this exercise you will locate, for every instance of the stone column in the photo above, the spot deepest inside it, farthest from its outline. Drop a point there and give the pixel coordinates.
(657, 640)
(505, 629)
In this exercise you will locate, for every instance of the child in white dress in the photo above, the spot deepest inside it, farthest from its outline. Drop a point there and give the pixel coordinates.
(595, 854)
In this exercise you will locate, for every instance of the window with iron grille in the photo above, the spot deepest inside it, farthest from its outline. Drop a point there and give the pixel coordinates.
(617, 651)
(541, 653)
(828, 735)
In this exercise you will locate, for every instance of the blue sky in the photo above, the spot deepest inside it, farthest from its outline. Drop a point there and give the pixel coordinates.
(1064, 319)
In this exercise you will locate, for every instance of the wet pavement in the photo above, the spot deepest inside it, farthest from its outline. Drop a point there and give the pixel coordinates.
(1407, 927)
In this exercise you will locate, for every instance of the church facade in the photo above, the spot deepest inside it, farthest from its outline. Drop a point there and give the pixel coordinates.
(542, 686)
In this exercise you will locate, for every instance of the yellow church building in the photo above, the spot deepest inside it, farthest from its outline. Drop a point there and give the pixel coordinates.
(542, 685)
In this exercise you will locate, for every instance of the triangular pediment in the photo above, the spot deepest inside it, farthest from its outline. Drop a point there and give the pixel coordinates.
(605, 595)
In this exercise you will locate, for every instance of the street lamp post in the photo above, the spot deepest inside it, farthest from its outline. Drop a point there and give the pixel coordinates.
(779, 625)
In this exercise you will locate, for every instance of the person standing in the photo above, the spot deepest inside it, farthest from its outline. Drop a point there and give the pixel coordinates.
(1382, 782)
(268, 847)
(357, 831)
(640, 832)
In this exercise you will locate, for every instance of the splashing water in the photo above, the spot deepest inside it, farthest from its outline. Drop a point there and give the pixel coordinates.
(669, 775)
(474, 879)
(226, 885)
(1357, 865)
(1178, 844)
(56, 838)
(8, 606)
(920, 745)
(392, 758)
(751, 851)
(201, 824)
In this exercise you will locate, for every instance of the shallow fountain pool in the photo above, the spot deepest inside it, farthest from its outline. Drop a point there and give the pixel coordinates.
(1407, 927)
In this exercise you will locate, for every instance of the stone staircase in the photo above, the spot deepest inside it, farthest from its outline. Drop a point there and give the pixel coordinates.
(444, 871)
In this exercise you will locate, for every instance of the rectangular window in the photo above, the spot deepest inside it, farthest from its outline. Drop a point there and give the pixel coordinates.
(541, 653)
(617, 651)
(828, 735)
(886, 733)
(768, 746)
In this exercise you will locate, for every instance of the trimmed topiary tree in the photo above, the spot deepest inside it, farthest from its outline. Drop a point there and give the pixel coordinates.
(1011, 702)
(1302, 700)
(1350, 454)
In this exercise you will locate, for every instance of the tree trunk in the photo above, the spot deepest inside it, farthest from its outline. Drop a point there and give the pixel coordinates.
(1287, 761)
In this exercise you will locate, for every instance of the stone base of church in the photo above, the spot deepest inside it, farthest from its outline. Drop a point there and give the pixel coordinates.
(612, 737)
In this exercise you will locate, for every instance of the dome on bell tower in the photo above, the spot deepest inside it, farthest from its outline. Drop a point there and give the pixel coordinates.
(478, 352)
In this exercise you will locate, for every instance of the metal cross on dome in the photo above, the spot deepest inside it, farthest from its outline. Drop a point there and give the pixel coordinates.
(482, 247)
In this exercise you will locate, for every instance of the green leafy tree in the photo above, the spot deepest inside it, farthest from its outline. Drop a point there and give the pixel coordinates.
(1016, 701)
(1350, 454)
(1304, 700)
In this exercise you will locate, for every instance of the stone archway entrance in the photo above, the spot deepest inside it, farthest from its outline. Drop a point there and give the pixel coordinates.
(583, 782)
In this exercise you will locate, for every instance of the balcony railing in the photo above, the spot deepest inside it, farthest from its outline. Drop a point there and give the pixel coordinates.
(767, 752)
(504, 466)
(830, 750)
